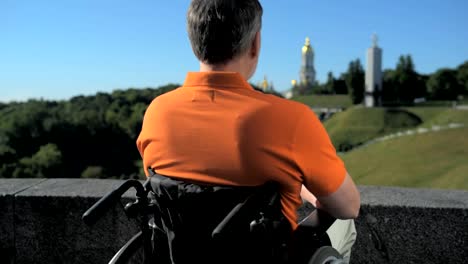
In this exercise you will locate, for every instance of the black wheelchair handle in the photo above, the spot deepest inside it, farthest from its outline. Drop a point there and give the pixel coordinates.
(242, 210)
(224, 225)
(93, 214)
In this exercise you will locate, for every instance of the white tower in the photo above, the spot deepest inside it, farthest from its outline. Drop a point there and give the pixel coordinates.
(307, 73)
(373, 92)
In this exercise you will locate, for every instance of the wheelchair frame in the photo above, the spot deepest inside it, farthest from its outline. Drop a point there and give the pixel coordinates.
(141, 209)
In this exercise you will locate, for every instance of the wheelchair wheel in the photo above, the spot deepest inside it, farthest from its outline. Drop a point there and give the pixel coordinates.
(131, 252)
(326, 255)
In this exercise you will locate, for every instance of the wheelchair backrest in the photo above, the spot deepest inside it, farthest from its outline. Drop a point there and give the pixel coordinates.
(217, 224)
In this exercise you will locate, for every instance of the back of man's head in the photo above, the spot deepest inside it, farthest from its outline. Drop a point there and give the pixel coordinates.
(220, 30)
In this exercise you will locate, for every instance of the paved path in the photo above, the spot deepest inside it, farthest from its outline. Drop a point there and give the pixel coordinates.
(417, 131)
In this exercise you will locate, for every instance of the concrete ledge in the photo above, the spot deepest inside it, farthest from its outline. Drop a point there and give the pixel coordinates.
(408, 197)
(46, 222)
(8, 189)
(41, 223)
(401, 225)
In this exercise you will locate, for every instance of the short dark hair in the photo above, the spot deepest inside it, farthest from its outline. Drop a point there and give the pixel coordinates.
(219, 30)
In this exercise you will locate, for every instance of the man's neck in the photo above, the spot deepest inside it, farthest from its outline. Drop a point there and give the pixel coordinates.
(232, 66)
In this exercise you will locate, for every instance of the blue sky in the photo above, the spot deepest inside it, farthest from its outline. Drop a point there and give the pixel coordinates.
(57, 49)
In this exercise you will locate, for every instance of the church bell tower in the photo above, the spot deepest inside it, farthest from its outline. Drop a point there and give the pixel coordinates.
(307, 74)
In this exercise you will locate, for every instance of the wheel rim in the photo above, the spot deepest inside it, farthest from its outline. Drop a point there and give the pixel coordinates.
(333, 260)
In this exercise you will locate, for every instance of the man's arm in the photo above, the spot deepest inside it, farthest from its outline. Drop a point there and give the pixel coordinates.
(307, 196)
(344, 203)
(324, 173)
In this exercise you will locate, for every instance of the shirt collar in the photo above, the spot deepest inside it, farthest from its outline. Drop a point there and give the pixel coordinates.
(216, 80)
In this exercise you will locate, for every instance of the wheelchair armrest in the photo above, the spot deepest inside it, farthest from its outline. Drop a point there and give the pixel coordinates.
(311, 232)
(318, 220)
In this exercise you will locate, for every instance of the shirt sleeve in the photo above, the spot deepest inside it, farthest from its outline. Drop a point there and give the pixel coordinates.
(322, 170)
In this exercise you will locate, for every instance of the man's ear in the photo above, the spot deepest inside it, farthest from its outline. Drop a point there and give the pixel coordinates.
(255, 48)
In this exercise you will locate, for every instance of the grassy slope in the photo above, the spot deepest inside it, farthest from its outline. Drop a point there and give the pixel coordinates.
(324, 100)
(354, 125)
(358, 125)
(439, 115)
(432, 160)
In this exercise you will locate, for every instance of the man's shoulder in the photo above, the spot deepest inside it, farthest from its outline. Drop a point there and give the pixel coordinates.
(162, 102)
(291, 112)
(283, 104)
(167, 96)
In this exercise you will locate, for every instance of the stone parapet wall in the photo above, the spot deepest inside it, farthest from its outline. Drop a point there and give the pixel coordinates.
(401, 225)
(41, 223)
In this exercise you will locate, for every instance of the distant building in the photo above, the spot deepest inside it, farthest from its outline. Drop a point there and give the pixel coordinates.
(307, 73)
(266, 86)
(373, 82)
(289, 93)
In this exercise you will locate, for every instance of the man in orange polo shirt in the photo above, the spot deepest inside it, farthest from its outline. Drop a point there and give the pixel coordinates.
(217, 129)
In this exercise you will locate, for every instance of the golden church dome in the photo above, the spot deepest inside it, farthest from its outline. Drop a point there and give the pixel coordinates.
(265, 84)
(307, 47)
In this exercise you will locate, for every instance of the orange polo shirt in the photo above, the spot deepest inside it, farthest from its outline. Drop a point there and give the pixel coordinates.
(217, 129)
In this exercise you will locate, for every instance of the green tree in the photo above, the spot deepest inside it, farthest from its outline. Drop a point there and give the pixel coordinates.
(354, 78)
(389, 88)
(329, 86)
(404, 84)
(340, 86)
(421, 85)
(462, 77)
(405, 80)
(7, 161)
(24, 126)
(41, 138)
(443, 85)
(46, 163)
(95, 172)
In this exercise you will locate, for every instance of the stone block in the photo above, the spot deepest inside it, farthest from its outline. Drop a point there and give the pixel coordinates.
(8, 189)
(49, 226)
(401, 225)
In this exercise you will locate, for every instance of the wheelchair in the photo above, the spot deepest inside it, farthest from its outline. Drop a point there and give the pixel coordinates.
(182, 222)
